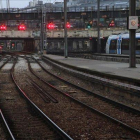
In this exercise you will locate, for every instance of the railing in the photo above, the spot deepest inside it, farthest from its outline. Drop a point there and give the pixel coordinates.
(61, 9)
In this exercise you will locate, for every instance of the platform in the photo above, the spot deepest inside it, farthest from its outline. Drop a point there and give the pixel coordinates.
(113, 68)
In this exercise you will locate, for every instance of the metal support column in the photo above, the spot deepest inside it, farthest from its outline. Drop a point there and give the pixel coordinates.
(65, 30)
(8, 5)
(41, 30)
(43, 41)
(132, 33)
(44, 29)
(98, 26)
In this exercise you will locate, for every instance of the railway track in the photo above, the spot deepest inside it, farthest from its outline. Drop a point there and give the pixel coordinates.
(4, 129)
(99, 76)
(124, 125)
(24, 117)
(79, 112)
(103, 85)
(43, 94)
(101, 100)
(9, 134)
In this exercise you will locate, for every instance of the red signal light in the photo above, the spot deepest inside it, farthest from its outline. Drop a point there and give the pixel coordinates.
(22, 27)
(68, 25)
(112, 24)
(3, 27)
(50, 26)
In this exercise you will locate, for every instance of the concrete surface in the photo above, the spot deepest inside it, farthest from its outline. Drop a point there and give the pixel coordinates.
(115, 68)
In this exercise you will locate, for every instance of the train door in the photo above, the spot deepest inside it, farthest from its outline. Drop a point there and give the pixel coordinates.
(8, 45)
(94, 45)
(125, 46)
(103, 45)
(49, 46)
(29, 45)
(86, 45)
(74, 46)
(70, 45)
(81, 46)
(3, 45)
(55, 45)
(137, 46)
(19, 46)
(113, 46)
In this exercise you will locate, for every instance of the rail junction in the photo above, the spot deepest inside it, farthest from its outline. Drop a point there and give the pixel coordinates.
(48, 92)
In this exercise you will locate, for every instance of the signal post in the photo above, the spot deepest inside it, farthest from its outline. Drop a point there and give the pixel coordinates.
(132, 26)
(65, 30)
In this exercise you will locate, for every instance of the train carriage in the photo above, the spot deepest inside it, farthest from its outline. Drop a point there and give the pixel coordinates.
(119, 44)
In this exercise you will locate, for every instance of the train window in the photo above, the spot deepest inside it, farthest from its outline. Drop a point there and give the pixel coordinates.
(137, 44)
(113, 44)
(125, 44)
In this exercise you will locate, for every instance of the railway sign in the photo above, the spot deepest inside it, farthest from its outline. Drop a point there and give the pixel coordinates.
(133, 22)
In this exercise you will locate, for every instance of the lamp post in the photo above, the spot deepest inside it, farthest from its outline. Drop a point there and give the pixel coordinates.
(65, 30)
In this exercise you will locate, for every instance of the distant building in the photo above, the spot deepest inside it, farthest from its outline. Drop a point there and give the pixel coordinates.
(85, 3)
(73, 2)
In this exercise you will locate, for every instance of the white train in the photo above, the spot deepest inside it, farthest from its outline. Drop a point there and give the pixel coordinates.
(119, 44)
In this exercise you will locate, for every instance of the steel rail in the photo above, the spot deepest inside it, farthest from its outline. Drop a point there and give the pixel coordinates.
(6, 125)
(63, 134)
(92, 79)
(91, 93)
(4, 63)
(3, 56)
(1, 114)
(47, 100)
(50, 97)
(85, 105)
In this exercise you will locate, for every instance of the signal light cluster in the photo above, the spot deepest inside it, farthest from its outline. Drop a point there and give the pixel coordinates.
(22, 27)
(50, 26)
(112, 24)
(68, 25)
(89, 25)
(3, 27)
